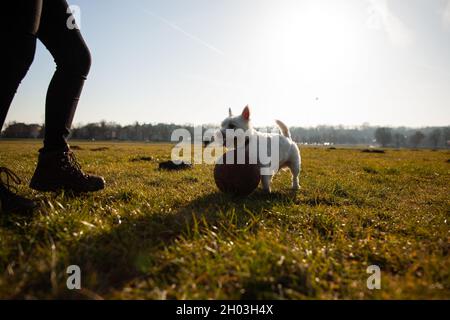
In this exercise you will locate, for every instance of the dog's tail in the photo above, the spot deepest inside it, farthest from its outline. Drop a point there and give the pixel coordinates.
(284, 129)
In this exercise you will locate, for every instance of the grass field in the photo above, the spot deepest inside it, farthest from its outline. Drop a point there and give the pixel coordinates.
(163, 235)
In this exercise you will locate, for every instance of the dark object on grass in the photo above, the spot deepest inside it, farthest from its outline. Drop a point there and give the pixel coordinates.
(448, 161)
(236, 179)
(373, 151)
(170, 165)
(331, 148)
(100, 149)
(138, 159)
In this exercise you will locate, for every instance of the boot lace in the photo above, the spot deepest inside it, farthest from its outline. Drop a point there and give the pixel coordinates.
(9, 179)
(72, 164)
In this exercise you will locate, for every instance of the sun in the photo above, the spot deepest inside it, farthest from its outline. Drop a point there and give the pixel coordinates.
(314, 39)
(323, 39)
(308, 50)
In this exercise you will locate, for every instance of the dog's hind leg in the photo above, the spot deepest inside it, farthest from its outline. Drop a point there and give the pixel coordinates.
(295, 179)
(294, 166)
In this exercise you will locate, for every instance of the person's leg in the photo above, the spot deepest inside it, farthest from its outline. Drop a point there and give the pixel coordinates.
(19, 22)
(57, 166)
(73, 61)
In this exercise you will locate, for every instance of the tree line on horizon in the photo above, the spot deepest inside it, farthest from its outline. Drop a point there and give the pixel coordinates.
(398, 137)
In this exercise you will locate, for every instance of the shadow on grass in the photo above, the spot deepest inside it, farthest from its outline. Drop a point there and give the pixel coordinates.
(110, 259)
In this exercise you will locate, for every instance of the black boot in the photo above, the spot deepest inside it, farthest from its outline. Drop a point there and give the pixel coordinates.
(60, 170)
(10, 202)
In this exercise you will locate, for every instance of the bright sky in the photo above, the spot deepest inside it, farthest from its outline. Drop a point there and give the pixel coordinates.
(307, 62)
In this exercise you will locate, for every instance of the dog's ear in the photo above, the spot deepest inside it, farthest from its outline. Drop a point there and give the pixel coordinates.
(246, 113)
(230, 113)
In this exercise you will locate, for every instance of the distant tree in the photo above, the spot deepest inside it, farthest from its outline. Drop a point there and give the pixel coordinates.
(399, 140)
(22, 131)
(42, 132)
(446, 135)
(435, 137)
(416, 138)
(364, 134)
(383, 136)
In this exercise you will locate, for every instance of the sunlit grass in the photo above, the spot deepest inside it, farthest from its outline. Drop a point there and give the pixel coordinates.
(156, 234)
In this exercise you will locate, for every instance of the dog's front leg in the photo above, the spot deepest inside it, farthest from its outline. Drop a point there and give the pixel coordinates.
(266, 181)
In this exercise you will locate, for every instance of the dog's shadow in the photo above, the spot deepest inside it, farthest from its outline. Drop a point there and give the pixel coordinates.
(256, 201)
(109, 259)
(113, 258)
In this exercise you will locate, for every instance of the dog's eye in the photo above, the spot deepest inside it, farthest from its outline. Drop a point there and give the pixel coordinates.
(231, 126)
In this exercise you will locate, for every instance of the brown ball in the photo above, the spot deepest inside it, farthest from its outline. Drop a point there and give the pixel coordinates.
(236, 179)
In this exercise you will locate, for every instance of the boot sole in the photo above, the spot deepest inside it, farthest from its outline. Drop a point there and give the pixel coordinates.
(55, 187)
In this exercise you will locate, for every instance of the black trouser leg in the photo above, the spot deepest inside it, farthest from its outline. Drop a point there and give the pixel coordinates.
(19, 56)
(73, 61)
(19, 21)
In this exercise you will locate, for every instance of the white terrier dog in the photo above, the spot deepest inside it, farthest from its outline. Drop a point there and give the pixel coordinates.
(288, 152)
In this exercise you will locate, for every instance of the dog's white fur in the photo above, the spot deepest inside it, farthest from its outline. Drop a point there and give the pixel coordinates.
(289, 154)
